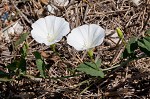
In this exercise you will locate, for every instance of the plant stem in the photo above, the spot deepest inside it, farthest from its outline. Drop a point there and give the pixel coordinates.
(53, 78)
(53, 46)
(90, 53)
(124, 63)
(120, 65)
(83, 82)
(85, 89)
(63, 77)
(110, 68)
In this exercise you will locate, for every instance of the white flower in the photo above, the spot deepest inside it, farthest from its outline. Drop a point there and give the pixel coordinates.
(61, 2)
(137, 2)
(86, 37)
(50, 29)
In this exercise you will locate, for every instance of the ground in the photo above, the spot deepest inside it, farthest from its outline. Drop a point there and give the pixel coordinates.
(129, 81)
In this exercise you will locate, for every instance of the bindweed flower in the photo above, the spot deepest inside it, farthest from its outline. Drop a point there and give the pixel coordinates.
(86, 36)
(50, 29)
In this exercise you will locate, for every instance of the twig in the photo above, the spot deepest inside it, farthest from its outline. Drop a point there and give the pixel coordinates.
(22, 14)
(3, 30)
(111, 12)
(85, 14)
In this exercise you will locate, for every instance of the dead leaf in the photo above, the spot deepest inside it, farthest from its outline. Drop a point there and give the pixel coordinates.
(6, 7)
(44, 1)
(40, 11)
(44, 54)
(61, 2)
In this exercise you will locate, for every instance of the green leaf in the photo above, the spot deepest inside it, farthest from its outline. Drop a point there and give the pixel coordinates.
(41, 67)
(145, 51)
(4, 76)
(22, 66)
(98, 62)
(147, 32)
(24, 50)
(144, 43)
(18, 65)
(2, 73)
(92, 65)
(21, 39)
(147, 43)
(143, 47)
(91, 69)
(12, 66)
(40, 63)
(37, 55)
(130, 47)
(147, 38)
(125, 53)
(141, 44)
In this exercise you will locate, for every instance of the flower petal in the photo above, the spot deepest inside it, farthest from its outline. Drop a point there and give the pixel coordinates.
(98, 34)
(50, 21)
(57, 26)
(61, 28)
(40, 23)
(37, 35)
(76, 39)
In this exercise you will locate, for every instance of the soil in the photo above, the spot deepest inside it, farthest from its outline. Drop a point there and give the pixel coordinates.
(131, 81)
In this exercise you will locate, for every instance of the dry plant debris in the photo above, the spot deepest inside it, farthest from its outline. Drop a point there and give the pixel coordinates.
(131, 81)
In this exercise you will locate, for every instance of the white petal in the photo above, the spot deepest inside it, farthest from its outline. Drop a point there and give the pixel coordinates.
(40, 32)
(84, 33)
(58, 27)
(76, 39)
(61, 28)
(40, 25)
(97, 34)
(86, 37)
(50, 20)
(37, 35)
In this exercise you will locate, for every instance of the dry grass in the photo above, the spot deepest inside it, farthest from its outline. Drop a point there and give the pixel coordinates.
(131, 81)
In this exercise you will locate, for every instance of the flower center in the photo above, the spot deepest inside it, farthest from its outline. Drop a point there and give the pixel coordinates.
(87, 44)
(50, 37)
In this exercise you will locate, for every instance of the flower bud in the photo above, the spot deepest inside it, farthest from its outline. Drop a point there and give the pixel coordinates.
(119, 32)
